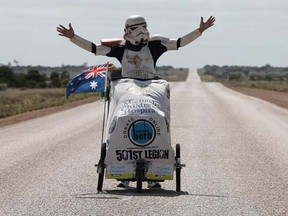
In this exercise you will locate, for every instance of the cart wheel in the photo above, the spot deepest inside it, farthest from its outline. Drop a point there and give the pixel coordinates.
(101, 167)
(139, 176)
(178, 168)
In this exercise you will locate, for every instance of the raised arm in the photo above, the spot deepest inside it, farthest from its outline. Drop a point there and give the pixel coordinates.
(188, 38)
(81, 42)
(175, 43)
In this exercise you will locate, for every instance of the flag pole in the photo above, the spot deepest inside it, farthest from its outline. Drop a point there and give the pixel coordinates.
(105, 94)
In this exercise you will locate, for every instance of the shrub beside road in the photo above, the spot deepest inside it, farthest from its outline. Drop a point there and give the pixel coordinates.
(16, 101)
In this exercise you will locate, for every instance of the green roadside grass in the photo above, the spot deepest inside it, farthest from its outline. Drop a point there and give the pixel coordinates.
(18, 101)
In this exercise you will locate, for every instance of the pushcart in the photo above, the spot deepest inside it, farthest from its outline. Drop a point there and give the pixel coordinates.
(136, 143)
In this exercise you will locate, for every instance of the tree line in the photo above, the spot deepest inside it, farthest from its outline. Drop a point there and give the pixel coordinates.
(58, 77)
(242, 73)
(32, 79)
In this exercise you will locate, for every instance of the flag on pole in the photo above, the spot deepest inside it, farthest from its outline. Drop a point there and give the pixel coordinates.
(91, 80)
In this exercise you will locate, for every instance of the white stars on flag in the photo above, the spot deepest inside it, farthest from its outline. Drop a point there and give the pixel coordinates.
(93, 85)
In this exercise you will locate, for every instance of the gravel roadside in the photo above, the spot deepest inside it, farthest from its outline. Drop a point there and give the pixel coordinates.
(275, 97)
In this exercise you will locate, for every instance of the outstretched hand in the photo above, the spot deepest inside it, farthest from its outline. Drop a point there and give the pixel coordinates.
(69, 33)
(205, 25)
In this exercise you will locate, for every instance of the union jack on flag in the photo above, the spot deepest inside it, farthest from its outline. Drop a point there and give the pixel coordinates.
(96, 71)
(91, 80)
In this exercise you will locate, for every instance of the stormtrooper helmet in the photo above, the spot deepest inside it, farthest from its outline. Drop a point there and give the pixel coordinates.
(136, 31)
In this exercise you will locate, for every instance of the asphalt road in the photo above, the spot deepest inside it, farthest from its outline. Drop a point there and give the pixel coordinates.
(235, 148)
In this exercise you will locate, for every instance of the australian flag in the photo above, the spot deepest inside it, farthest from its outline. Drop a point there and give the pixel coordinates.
(91, 80)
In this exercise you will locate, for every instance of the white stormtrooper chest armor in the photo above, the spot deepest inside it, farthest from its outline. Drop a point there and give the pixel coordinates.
(138, 64)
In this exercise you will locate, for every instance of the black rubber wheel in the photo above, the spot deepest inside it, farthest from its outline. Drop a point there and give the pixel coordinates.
(101, 167)
(139, 176)
(178, 169)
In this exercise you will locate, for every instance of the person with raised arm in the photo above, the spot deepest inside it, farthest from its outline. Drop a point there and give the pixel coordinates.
(137, 52)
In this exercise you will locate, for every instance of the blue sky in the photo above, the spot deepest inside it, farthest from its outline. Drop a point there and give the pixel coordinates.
(250, 33)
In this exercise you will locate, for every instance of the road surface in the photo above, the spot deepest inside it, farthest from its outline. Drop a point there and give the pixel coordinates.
(235, 148)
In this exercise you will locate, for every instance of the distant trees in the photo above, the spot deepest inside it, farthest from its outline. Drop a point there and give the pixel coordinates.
(242, 73)
(7, 76)
(64, 77)
(172, 74)
(266, 77)
(32, 79)
(59, 80)
(55, 80)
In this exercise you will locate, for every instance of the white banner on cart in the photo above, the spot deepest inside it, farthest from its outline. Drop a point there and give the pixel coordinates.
(156, 171)
(138, 122)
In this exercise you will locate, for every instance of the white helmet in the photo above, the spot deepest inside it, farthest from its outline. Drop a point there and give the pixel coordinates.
(136, 31)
